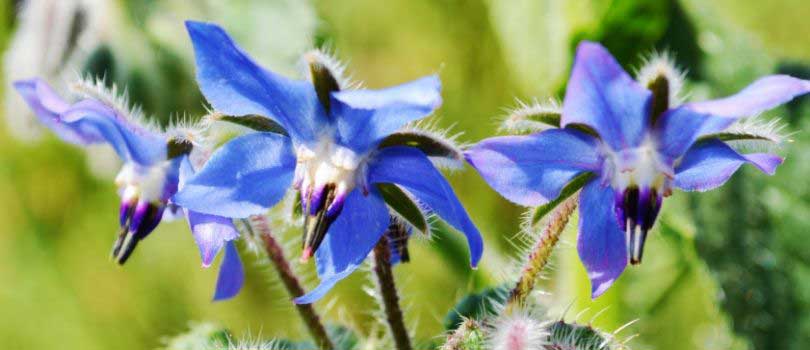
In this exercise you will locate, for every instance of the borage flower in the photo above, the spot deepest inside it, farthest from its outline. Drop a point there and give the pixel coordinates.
(339, 148)
(629, 147)
(155, 163)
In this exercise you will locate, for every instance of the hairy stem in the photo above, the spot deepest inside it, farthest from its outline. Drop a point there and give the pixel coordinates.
(540, 253)
(258, 223)
(388, 291)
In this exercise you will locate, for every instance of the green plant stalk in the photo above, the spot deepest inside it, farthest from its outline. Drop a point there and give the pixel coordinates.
(389, 296)
(540, 253)
(258, 223)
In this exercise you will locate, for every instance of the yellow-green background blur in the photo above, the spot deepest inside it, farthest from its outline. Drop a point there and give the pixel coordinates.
(727, 269)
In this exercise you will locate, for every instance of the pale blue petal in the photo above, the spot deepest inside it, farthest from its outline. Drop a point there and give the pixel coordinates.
(235, 85)
(710, 164)
(244, 177)
(364, 117)
(231, 274)
(411, 169)
(349, 240)
(601, 244)
(532, 170)
(602, 96)
(764, 94)
(47, 106)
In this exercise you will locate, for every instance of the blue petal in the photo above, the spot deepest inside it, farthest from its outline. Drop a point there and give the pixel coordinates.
(601, 244)
(411, 169)
(531, 170)
(710, 164)
(235, 85)
(90, 121)
(677, 129)
(244, 177)
(364, 117)
(764, 94)
(231, 274)
(603, 96)
(349, 240)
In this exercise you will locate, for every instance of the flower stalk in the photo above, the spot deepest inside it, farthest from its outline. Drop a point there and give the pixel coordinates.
(388, 293)
(258, 223)
(540, 253)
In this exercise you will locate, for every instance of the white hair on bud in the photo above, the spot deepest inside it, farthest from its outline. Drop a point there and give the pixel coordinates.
(327, 57)
(657, 64)
(113, 97)
(522, 119)
(520, 330)
(757, 134)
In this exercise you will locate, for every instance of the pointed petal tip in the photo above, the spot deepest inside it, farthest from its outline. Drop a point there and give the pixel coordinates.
(597, 289)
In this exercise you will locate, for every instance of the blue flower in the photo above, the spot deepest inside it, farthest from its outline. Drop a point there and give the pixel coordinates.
(154, 166)
(331, 150)
(635, 151)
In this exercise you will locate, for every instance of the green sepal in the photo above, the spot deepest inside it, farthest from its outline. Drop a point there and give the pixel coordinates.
(429, 145)
(256, 122)
(396, 198)
(572, 187)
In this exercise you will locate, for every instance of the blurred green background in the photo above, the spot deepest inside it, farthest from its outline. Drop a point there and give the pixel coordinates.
(729, 269)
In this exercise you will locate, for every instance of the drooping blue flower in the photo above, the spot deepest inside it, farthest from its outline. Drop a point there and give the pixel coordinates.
(637, 155)
(154, 165)
(331, 150)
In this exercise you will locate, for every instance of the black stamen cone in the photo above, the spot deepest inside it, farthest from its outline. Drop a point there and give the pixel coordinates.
(640, 210)
(316, 225)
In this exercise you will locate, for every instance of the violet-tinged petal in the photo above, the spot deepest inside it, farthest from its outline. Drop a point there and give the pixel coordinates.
(411, 169)
(231, 274)
(601, 95)
(349, 240)
(764, 94)
(91, 121)
(710, 164)
(531, 170)
(235, 85)
(601, 244)
(246, 176)
(47, 106)
(364, 117)
(210, 233)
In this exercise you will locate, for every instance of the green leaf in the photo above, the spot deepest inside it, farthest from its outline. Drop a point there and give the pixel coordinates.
(403, 205)
(476, 306)
(428, 144)
(572, 187)
(256, 122)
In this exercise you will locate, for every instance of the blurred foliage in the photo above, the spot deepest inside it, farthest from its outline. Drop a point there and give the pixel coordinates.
(725, 270)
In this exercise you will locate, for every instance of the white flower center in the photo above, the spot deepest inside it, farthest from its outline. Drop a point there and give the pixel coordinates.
(328, 163)
(141, 183)
(637, 167)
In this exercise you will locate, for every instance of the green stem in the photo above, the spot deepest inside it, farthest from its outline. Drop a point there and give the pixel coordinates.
(258, 223)
(540, 253)
(388, 292)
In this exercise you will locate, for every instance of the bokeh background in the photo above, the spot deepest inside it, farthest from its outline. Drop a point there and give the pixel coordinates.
(729, 269)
